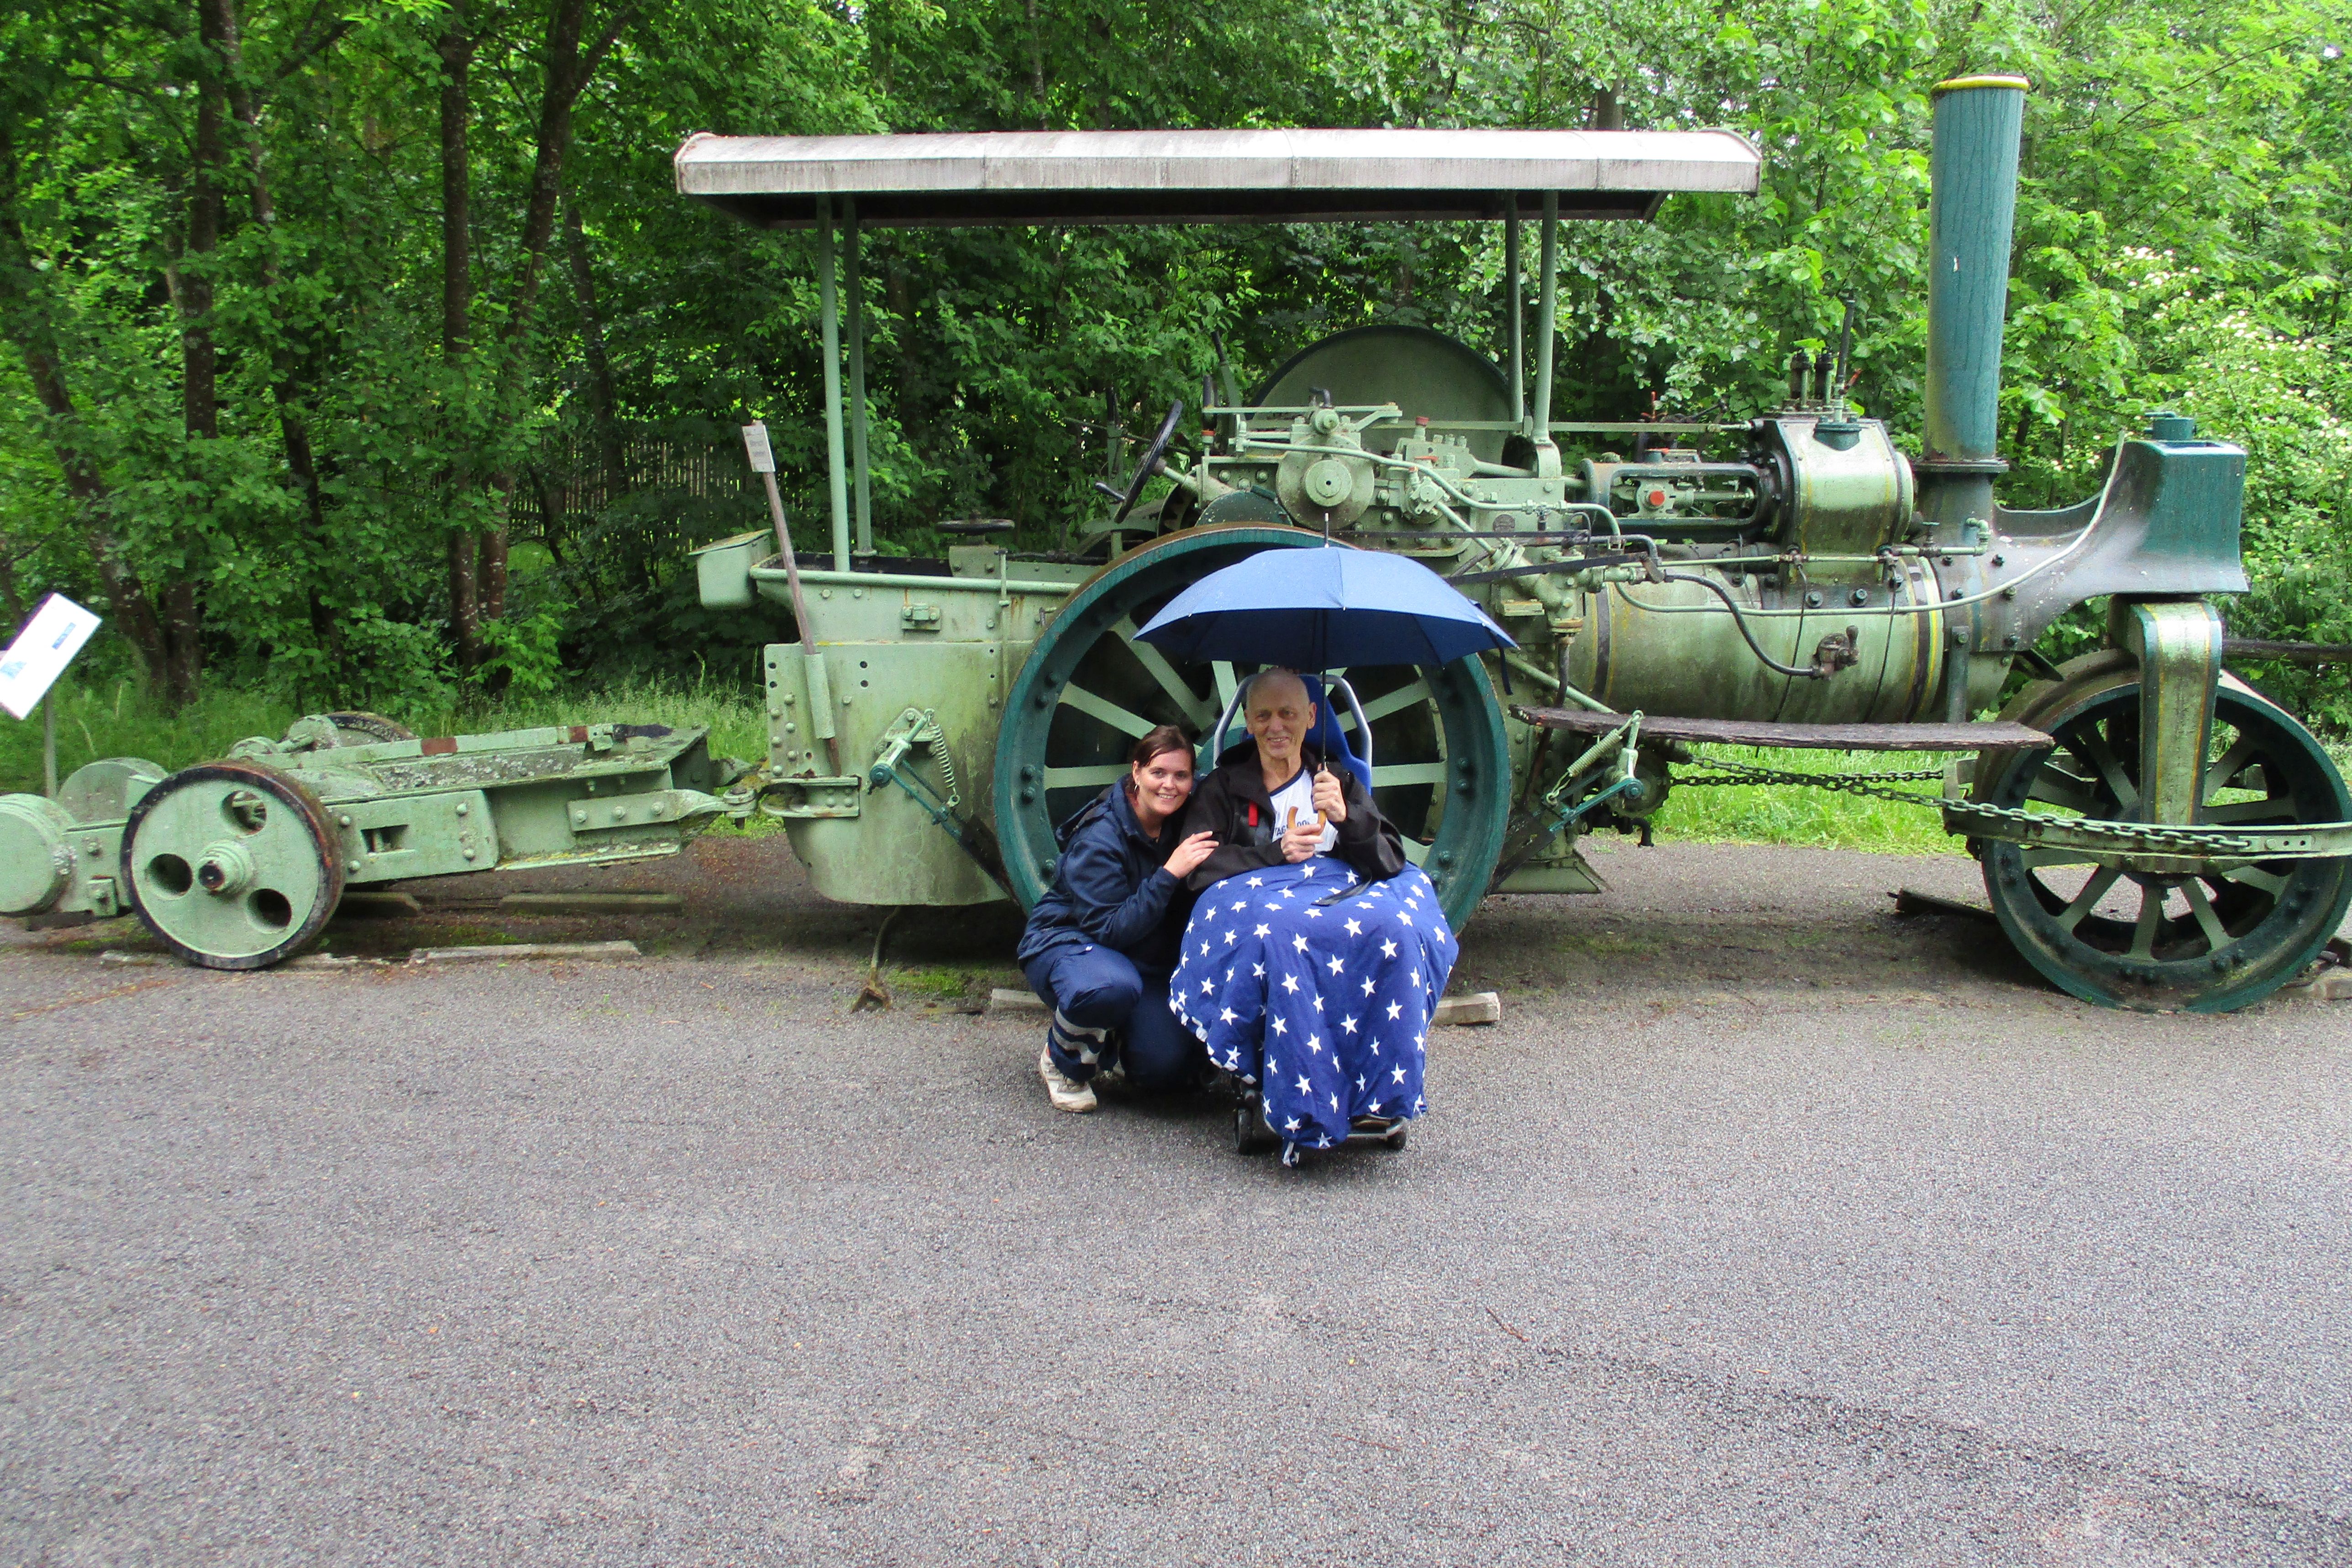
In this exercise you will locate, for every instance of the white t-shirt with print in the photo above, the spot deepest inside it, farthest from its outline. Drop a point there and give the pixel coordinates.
(1299, 795)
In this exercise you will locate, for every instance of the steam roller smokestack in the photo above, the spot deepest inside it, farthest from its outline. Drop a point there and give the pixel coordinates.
(1971, 212)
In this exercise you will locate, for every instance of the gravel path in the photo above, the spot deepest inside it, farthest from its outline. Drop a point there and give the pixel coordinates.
(1766, 1229)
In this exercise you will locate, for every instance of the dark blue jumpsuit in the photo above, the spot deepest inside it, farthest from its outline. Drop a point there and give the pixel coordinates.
(1102, 942)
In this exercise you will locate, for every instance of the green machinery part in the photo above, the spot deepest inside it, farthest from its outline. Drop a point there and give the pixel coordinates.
(2184, 937)
(232, 866)
(1441, 766)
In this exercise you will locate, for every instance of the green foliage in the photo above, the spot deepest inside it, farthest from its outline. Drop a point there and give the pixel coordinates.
(2180, 240)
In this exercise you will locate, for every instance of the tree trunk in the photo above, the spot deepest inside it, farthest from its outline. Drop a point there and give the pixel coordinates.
(24, 318)
(568, 70)
(455, 47)
(603, 394)
(301, 464)
(199, 359)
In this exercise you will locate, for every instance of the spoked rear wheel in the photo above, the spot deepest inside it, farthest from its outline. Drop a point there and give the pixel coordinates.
(2201, 942)
(1441, 770)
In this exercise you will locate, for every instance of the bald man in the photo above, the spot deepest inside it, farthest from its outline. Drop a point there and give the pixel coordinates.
(1272, 800)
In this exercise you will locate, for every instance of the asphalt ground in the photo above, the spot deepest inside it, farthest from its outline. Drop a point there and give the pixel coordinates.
(1765, 1228)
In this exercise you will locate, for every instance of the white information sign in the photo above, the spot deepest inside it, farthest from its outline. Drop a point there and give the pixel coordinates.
(42, 651)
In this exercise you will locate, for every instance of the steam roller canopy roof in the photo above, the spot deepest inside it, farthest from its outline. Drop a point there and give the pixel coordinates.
(1018, 177)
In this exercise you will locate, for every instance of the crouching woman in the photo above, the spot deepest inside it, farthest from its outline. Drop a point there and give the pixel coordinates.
(1101, 944)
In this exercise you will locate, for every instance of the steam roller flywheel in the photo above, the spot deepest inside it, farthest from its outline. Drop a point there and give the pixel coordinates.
(2205, 942)
(232, 866)
(1441, 770)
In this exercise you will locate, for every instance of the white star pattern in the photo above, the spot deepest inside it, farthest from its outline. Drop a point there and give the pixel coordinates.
(1252, 1022)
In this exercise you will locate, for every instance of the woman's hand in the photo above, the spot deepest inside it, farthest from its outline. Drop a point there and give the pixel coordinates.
(1189, 854)
(1327, 798)
(1301, 838)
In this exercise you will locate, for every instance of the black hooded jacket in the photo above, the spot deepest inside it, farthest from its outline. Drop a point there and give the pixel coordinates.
(1223, 805)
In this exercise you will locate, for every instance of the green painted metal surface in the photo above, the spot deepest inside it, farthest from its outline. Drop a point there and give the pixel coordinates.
(236, 863)
(1973, 174)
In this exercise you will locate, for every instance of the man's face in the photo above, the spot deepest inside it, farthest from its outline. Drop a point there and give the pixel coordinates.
(1280, 716)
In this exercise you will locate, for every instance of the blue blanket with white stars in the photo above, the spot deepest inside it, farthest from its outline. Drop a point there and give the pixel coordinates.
(1323, 1002)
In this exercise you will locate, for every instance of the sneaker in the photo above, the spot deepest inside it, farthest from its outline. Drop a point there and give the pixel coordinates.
(1066, 1093)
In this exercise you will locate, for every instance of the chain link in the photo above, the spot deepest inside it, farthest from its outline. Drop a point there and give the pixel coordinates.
(1729, 773)
(2126, 837)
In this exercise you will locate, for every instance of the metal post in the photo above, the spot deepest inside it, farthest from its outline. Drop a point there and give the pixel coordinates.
(49, 741)
(1547, 314)
(829, 309)
(861, 487)
(1519, 309)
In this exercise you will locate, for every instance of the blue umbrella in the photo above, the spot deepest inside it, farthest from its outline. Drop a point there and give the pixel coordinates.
(1322, 609)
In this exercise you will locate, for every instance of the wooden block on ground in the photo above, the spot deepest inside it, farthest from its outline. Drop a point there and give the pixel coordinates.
(593, 902)
(367, 904)
(1478, 1007)
(503, 951)
(2327, 985)
(325, 961)
(135, 960)
(1910, 901)
(1001, 1000)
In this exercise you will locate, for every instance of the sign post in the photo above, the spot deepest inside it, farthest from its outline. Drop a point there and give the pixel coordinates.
(32, 664)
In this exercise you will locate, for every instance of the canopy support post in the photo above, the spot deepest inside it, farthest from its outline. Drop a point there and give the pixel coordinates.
(1519, 308)
(860, 482)
(829, 310)
(1547, 318)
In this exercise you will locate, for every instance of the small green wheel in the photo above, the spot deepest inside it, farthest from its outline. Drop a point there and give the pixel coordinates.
(2205, 942)
(231, 865)
(355, 726)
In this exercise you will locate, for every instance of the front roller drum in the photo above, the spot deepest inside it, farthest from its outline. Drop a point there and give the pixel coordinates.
(232, 866)
(2206, 941)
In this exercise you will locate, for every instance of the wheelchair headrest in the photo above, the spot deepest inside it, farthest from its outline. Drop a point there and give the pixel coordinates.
(1326, 736)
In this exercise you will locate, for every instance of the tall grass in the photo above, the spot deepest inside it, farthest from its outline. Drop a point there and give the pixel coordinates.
(1798, 814)
(119, 719)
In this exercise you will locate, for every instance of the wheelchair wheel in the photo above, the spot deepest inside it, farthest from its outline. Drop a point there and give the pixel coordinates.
(1251, 1134)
